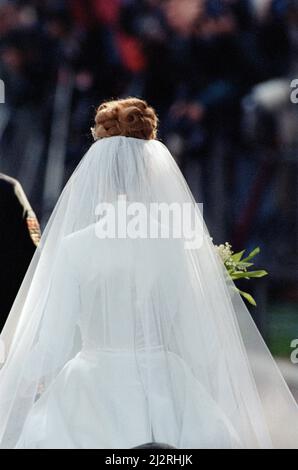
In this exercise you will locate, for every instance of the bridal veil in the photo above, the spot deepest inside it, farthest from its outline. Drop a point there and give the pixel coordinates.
(147, 297)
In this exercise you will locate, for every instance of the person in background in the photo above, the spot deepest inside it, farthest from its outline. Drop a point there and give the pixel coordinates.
(19, 236)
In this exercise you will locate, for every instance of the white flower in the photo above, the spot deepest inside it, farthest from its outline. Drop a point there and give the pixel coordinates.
(225, 252)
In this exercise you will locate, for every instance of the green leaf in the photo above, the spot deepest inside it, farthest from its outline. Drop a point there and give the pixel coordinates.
(237, 256)
(238, 275)
(259, 273)
(248, 297)
(252, 254)
(245, 265)
(248, 274)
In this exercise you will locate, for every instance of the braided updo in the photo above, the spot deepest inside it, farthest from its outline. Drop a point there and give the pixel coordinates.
(130, 117)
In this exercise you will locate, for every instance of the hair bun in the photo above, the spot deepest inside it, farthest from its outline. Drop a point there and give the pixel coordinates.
(129, 117)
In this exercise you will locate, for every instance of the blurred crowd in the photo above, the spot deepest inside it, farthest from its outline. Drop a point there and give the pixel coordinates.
(196, 61)
(190, 58)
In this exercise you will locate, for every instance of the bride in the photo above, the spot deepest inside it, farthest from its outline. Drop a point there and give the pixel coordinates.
(118, 341)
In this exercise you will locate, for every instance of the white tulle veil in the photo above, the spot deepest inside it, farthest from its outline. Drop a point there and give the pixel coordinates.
(175, 299)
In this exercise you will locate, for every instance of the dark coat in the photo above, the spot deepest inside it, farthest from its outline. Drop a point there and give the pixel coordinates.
(19, 235)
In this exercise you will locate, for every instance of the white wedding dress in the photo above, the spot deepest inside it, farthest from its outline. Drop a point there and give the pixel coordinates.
(113, 343)
(108, 381)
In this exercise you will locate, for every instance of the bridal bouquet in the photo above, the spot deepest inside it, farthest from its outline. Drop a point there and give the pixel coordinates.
(239, 267)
